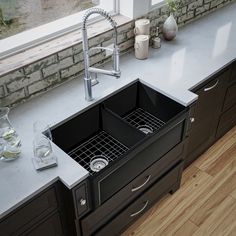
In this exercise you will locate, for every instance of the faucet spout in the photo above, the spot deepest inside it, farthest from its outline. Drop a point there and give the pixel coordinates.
(87, 69)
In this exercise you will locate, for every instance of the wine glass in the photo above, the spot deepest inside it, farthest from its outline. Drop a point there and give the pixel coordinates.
(42, 137)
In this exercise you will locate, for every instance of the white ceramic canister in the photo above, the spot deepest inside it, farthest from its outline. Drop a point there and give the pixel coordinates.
(142, 27)
(141, 46)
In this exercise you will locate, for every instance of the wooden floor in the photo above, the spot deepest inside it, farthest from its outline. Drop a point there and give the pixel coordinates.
(206, 202)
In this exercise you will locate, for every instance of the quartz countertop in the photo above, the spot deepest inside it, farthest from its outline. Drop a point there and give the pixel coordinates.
(200, 49)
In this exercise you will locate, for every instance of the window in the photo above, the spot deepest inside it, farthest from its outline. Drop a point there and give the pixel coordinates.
(24, 23)
(137, 8)
(17, 16)
(156, 3)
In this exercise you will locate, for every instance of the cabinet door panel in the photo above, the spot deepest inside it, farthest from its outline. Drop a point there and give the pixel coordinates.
(233, 75)
(30, 212)
(50, 227)
(207, 112)
(230, 98)
(227, 121)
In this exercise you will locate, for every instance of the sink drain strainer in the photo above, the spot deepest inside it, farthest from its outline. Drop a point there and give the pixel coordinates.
(98, 162)
(145, 129)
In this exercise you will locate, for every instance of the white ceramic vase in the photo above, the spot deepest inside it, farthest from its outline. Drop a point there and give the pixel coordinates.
(170, 28)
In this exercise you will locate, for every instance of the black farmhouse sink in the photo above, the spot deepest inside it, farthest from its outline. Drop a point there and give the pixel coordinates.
(125, 133)
(96, 134)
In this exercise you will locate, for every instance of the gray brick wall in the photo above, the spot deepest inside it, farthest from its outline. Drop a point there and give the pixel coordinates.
(41, 76)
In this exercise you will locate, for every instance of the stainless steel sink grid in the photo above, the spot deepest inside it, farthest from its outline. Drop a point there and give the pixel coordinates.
(100, 144)
(144, 121)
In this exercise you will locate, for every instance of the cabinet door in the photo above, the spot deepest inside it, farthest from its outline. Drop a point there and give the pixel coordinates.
(28, 214)
(207, 112)
(228, 116)
(50, 227)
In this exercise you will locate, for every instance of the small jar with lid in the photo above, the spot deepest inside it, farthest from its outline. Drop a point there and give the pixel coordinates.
(156, 41)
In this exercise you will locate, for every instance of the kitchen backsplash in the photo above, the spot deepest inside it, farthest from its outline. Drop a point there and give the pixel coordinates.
(41, 76)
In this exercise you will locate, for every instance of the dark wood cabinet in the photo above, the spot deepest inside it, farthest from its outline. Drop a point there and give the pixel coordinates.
(51, 226)
(228, 114)
(43, 214)
(168, 183)
(207, 114)
(110, 209)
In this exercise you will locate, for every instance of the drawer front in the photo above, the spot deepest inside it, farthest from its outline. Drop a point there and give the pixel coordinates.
(230, 98)
(105, 212)
(142, 204)
(35, 209)
(81, 199)
(120, 177)
(227, 121)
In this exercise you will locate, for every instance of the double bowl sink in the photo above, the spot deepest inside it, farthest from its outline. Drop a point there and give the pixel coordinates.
(107, 136)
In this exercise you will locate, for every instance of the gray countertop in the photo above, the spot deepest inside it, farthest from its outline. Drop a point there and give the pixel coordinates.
(200, 49)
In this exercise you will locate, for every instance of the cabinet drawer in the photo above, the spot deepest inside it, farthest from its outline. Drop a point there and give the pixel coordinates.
(112, 182)
(105, 212)
(30, 212)
(230, 98)
(227, 121)
(143, 203)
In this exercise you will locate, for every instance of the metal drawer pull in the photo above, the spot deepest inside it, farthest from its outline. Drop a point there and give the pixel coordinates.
(138, 212)
(137, 188)
(213, 86)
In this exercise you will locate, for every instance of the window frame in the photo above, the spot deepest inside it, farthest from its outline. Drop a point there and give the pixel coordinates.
(157, 5)
(30, 38)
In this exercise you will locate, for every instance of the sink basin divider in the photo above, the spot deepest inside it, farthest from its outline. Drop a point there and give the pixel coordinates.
(120, 128)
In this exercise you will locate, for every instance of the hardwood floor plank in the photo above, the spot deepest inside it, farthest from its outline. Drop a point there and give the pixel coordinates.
(217, 217)
(227, 226)
(224, 159)
(233, 194)
(225, 189)
(215, 151)
(187, 229)
(188, 174)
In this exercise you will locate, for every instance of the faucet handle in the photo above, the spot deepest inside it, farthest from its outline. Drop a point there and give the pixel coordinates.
(94, 80)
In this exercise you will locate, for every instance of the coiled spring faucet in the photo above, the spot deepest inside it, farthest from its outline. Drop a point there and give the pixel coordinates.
(116, 68)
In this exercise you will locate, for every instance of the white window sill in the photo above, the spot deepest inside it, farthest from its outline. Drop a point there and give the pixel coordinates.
(43, 50)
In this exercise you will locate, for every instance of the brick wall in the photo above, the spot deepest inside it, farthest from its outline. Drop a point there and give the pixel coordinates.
(41, 76)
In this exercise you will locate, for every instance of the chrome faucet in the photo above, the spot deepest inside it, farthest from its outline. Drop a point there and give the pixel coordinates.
(116, 68)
